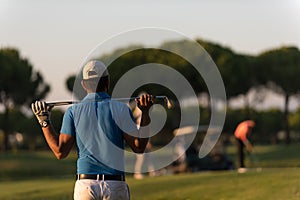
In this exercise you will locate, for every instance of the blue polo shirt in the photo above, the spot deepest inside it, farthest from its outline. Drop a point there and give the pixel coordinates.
(98, 124)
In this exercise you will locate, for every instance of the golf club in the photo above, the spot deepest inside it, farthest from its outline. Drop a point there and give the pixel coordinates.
(254, 160)
(63, 103)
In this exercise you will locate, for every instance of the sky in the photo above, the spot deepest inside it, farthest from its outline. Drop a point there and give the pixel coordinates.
(57, 36)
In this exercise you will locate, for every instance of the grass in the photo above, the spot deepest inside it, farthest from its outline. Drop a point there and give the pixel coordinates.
(270, 184)
(23, 165)
(274, 175)
(39, 189)
(271, 156)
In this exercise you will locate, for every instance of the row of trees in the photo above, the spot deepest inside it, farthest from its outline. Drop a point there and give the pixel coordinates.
(275, 70)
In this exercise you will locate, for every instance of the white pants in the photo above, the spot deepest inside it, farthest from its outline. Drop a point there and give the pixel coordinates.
(101, 190)
(143, 158)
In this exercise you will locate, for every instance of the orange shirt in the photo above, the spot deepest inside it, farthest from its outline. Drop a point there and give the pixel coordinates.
(243, 129)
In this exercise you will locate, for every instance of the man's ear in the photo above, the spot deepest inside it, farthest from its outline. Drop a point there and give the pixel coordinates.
(83, 85)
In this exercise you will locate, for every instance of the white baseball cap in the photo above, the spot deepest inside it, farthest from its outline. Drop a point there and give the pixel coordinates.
(94, 69)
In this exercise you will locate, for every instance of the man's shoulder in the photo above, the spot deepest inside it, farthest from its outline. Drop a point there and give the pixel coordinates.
(118, 104)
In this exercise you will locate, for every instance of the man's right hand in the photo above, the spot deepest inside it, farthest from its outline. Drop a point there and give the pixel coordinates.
(144, 102)
(248, 146)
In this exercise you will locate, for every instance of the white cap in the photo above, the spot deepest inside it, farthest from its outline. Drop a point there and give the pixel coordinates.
(94, 69)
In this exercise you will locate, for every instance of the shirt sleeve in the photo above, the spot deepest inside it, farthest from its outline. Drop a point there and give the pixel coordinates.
(68, 126)
(124, 118)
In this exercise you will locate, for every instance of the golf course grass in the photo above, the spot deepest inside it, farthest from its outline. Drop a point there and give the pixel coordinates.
(274, 175)
(267, 184)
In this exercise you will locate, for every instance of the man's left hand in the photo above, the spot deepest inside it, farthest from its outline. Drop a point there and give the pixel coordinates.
(41, 111)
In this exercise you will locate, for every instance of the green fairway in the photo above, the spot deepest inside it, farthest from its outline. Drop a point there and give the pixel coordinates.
(271, 184)
(37, 189)
(268, 184)
(273, 174)
(24, 165)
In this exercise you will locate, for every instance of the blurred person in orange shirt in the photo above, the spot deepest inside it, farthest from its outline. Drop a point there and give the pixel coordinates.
(241, 134)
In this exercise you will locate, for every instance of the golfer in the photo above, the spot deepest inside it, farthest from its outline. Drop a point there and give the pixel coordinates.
(98, 126)
(146, 157)
(241, 134)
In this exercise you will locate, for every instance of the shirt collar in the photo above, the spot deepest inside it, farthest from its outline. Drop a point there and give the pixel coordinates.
(99, 96)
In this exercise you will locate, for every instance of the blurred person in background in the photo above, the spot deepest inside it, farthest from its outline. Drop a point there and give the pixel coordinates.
(241, 134)
(146, 157)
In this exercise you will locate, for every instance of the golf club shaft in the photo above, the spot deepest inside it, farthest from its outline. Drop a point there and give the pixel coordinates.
(63, 103)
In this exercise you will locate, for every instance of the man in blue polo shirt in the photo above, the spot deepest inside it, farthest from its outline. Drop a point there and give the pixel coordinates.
(98, 126)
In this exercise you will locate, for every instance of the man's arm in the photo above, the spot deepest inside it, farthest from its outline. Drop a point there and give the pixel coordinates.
(138, 144)
(61, 144)
(248, 145)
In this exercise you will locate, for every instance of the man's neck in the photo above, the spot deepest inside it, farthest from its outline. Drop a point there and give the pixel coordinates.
(90, 92)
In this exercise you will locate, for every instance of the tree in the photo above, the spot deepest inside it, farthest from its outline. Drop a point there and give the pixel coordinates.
(19, 86)
(281, 69)
(237, 71)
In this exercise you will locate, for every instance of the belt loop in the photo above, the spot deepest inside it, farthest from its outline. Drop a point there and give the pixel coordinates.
(103, 177)
(97, 177)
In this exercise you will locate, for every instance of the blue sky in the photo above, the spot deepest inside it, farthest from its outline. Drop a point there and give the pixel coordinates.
(56, 36)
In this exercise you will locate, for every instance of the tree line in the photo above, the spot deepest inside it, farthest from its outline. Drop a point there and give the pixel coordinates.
(276, 70)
